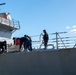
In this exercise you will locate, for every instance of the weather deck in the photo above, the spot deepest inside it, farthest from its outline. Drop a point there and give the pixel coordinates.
(41, 62)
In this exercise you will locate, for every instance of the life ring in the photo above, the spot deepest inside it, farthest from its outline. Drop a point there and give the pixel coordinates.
(50, 45)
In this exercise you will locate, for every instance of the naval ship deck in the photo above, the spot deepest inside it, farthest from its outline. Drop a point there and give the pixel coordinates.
(49, 62)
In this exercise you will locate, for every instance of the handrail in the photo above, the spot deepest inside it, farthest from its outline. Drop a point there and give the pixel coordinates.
(11, 23)
(57, 40)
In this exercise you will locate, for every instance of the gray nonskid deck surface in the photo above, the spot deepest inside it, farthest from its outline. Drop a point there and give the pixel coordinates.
(50, 62)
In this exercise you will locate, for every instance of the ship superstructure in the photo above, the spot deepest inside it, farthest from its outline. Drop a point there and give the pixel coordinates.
(7, 27)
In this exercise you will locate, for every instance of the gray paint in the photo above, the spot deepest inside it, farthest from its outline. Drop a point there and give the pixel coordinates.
(50, 62)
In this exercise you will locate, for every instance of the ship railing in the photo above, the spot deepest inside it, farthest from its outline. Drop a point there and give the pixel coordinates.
(11, 23)
(57, 40)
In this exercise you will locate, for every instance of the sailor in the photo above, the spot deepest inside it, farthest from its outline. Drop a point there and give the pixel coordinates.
(22, 39)
(3, 46)
(45, 39)
(28, 43)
